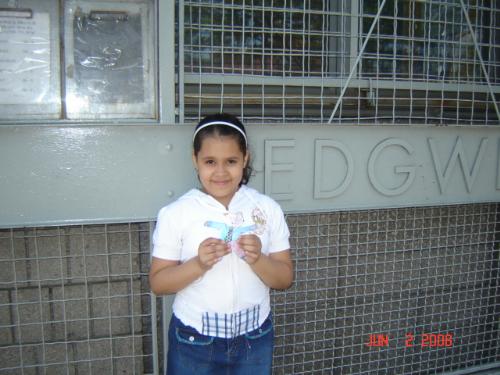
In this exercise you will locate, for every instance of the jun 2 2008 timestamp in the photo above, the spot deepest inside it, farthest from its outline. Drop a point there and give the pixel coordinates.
(423, 340)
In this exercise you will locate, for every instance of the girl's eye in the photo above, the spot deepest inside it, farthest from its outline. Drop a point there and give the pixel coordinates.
(209, 162)
(232, 161)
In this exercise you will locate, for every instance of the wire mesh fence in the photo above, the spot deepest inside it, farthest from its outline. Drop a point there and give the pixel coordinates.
(401, 291)
(385, 61)
(406, 291)
(75, 300)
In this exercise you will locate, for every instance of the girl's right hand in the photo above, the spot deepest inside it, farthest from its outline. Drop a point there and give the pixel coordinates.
(210, 251)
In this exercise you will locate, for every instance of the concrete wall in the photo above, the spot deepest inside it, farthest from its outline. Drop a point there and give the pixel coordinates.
(391, 272)
(75, 299)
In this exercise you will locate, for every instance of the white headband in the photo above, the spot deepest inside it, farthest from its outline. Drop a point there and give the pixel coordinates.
(221, 123)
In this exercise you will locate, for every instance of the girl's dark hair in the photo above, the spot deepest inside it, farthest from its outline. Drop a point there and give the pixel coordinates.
(217, 130)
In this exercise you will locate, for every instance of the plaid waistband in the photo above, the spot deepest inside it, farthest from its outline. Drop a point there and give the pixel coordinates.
(231, 325)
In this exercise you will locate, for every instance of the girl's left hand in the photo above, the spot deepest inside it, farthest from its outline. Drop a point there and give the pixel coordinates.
(251, 245)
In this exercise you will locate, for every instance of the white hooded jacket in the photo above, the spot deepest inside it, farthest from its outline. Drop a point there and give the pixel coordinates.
(230, 291)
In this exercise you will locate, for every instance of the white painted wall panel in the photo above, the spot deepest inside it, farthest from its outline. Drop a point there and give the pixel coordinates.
(82, 174)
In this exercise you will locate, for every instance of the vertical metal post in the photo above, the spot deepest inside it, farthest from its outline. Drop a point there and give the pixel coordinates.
(180, 68)
(166, 60)
(154, 334)
(354, 30)
(154, 316)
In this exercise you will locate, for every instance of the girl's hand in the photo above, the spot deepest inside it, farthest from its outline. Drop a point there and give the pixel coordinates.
(251, 245)
(210, 251)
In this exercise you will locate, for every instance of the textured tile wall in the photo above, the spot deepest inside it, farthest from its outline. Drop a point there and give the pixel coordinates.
(75, 300)
(419, 271)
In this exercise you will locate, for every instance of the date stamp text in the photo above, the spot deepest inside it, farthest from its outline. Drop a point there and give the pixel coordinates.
(423, 340)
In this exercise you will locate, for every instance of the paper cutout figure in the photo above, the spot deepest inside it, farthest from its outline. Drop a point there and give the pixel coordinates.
(230, 234)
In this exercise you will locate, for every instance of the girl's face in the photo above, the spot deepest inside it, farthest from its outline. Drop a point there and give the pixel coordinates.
(220, 164)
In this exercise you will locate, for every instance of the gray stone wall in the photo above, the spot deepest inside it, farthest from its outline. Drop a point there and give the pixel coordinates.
(419, 271)
(75, 299)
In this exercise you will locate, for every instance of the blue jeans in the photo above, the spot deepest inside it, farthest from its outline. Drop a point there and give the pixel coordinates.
(192, 353)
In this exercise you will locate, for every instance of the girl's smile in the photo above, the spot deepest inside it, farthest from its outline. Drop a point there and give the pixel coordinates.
(220, 164)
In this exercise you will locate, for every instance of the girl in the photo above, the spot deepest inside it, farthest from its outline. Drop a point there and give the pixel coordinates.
(220, 249)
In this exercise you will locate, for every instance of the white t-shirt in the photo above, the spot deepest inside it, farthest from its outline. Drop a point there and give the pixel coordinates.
(229, 299)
